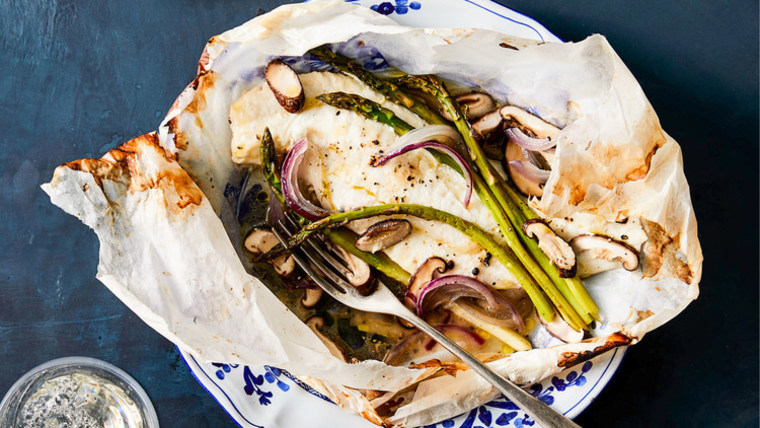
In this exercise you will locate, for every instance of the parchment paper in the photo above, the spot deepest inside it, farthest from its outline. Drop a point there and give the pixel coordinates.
(170, 248)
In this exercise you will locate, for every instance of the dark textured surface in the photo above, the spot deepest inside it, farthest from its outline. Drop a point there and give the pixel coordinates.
(79, 77)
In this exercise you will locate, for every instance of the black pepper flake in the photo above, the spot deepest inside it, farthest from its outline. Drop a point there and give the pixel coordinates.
(475, 271)
(375, 142)
(487, 259)
(624, 237)
(449, 264)
(337, 113)
(409, 178)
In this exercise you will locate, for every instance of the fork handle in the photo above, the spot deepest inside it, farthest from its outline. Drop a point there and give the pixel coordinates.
(536, 409)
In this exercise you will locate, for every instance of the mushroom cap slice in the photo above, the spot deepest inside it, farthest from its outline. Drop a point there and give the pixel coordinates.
(384, 234)
(315, 323)
(260, 240)
(312, 296)
(488, 123)
(477, 104)
(488, 132)
(429, 270)
(604, 247)
(562, 330)
(556, 249)
(285, 85)
(530, 124)
(359, 273)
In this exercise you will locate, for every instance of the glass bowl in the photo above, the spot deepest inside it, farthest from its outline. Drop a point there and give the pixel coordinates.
(77, 392)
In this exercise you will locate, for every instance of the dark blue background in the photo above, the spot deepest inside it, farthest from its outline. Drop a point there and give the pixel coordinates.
(79, 77)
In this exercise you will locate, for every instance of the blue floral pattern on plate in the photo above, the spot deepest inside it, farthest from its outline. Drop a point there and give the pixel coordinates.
(256, 388)
(401, 7)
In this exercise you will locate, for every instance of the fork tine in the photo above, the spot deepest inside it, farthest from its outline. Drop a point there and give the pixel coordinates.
(336, 282)
(290, 222)
(312, 271)
(333, 262)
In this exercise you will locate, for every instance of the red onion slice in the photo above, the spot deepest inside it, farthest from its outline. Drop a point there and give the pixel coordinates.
(290, 190)
(530, 171)
(447, 289)
(441, 133)
(453, 154)
(517, 136)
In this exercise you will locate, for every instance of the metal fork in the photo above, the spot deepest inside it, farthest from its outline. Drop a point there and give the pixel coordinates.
(326, 271)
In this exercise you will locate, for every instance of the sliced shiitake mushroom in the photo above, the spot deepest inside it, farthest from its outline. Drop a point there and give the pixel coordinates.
(528, 123)
(476, 104)
(589, 247)
(562, 330)
(429, 270)
(556, 249)
(489, 123)
(315, 323)
(488, 131)
(261, 240)
(285, 85)
(358, 272)
(312, 296)
(384, 234)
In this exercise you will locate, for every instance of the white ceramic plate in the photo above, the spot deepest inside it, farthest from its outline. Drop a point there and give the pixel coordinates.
(266, 397)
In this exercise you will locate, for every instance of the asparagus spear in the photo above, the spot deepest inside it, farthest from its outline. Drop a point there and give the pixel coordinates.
(366, 108)
(269, 163)
(557, 290)
(427, 213)
(389, 89)
(343, 238)
(373, 111)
